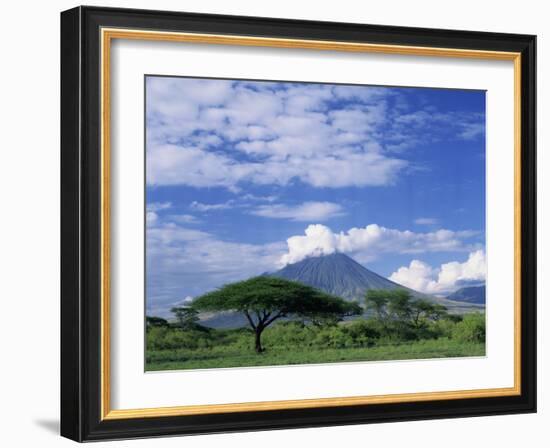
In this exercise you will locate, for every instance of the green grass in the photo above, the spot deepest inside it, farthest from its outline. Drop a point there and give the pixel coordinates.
(218, 357)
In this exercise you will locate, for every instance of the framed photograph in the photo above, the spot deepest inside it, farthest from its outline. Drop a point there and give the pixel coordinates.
(273, 223)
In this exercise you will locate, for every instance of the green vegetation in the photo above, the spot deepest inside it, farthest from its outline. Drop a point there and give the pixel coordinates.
(186, 317)
(309, 328)
(263, 300)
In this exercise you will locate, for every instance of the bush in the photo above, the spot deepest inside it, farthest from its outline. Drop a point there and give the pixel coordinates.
(363, 330)
(333, 337)
(287, 335)
(290, 335)
(443, 328)
(163, 338)
(471, 329)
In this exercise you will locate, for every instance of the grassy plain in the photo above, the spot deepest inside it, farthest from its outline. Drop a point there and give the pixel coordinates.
(291, 343)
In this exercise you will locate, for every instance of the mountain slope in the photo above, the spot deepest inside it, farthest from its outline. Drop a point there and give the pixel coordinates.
(336, 274)
(469, 294)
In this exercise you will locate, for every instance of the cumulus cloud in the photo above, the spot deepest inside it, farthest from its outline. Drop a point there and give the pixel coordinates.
(175, 165)
(307, 211)
(223, 133)
(444, 279)
(169, 164)
(371, 241)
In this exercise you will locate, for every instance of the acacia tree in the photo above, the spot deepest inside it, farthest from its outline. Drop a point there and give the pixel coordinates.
(377, 301)
(400, 305)
(397, 305)
(422, 310)
(186, 316)
(265, 299)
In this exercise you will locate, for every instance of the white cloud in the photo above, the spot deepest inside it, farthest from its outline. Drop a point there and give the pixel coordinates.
(307, 211)
(367, 243)
(184, 219)
(173, 165)
(151, 215)
(418, 276)
(318, 240)
(471, 131)
(286, 130)
(425, 221)
(445, 279)
(358, 120)
(253, 197)
(151, 218)
(184, 302)
(156, 206)
(183, 261)
(220, 133)
(199, 206)
(357, 170)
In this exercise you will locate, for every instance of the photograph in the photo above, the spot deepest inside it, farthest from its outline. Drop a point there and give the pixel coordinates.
(292, 223)
(274, 223)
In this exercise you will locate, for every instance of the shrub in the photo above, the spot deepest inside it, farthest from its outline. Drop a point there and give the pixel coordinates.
(443, 328)
(363, 329)
(163, 338)
(471, 329)
(288, 334)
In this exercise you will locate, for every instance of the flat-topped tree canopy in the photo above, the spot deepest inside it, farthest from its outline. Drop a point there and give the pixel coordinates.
(265, 299)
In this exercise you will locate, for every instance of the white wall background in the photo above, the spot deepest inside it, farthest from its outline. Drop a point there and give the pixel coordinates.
(29, 224)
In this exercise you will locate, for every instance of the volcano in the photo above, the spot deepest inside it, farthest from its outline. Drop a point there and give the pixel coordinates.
(336, 274)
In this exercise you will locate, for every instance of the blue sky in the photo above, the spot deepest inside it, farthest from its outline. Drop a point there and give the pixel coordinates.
(243, 177)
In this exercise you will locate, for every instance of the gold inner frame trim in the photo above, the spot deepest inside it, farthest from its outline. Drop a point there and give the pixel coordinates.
(107, 35)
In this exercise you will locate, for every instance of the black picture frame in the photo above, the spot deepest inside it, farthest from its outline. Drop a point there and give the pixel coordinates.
(81, 224)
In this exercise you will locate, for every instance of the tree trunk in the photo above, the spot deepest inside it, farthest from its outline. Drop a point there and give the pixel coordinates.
(257, 341)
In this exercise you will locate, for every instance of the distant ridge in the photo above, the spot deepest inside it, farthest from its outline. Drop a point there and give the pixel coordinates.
(469, 294)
